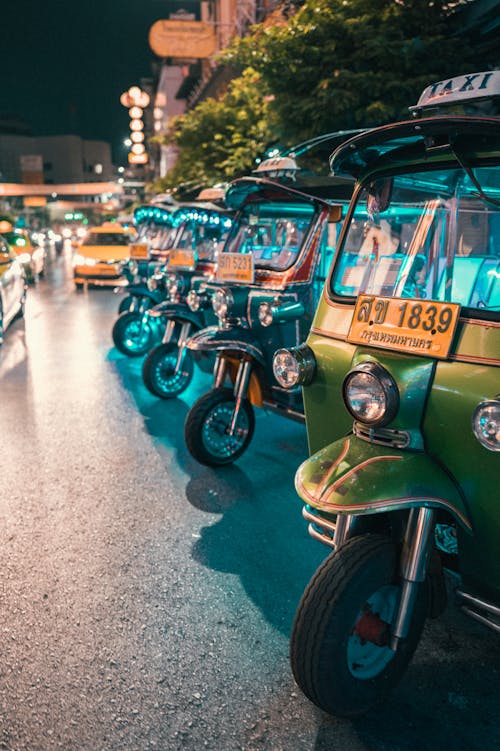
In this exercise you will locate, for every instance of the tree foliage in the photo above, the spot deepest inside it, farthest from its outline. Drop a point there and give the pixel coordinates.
(334, 65)
(219, 139)
(342, 64)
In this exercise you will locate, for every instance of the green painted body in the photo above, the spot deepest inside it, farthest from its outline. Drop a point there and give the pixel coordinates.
(439, 462)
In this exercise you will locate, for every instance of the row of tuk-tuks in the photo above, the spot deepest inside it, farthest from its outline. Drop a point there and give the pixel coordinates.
(359, 292)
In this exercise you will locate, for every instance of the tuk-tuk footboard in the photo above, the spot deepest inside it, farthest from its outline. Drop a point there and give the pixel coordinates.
(481, 610)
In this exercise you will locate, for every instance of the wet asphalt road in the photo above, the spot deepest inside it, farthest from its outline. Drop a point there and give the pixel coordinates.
(146, 602)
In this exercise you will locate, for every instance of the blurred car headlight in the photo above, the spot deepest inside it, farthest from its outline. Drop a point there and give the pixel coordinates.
(66, 233)
(486, 424)
(295, 366)
(79, 260)
(370, 394)
(222, 302)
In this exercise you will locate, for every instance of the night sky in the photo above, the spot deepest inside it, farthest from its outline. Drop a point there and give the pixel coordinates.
(64, 64)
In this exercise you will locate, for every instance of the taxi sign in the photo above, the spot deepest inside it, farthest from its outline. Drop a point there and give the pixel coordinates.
(235, 267)
(139, 250)
(417, 327)
(185, 259)
(459, 89)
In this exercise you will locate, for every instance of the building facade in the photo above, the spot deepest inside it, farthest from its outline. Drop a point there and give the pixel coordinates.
(53, 159)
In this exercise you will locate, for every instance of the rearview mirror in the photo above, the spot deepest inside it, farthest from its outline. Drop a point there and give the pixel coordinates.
(379, 196)
(335, 214)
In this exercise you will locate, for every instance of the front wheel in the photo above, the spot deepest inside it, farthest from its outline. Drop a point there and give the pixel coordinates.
(339, 646)
(206, 429)
(132, 334)
(159, 370)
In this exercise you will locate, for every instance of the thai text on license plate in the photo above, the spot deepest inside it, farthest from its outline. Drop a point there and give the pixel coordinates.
(418, 327)
(235, 267)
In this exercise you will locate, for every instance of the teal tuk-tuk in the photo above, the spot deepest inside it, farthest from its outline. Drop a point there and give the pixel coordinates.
(401, 383)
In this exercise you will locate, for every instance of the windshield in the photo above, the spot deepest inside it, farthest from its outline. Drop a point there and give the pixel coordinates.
(432, 236)
(105, 238)
(162, 238)
(272, 232)
(204, 238)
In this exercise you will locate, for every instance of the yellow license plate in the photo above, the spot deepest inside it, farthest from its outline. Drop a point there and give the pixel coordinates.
(185, 259)
(235, 267)
(417, 327)
(106, 270)
(137, 250)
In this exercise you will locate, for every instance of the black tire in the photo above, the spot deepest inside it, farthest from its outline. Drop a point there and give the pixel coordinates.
(79, 286)
(338, 670)
(206, 424)
(125, 304)
(131, 335)
(158, 371)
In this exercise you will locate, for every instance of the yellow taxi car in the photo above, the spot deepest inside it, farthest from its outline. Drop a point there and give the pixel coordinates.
(29, 254)
(100, 256)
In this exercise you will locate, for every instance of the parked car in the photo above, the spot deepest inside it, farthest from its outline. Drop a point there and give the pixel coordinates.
(30, 254)
(12, 287)
(100, 257)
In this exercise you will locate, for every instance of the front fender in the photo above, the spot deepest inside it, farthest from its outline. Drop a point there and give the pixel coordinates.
(140, 289)
(233, 341)
(352, 476)
(178, 312)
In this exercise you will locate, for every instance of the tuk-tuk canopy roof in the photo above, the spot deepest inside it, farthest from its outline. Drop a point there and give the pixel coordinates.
(426, 141)
(154, 213)
(305, 166)
(261, 189)
(201, 211)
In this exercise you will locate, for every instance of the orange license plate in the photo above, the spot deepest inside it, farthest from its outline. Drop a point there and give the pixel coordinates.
(182, 259)
(235, 267)
(417, 327)
(137, 250)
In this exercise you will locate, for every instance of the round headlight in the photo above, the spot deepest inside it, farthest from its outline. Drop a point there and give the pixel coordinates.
(173, 284)
(486, 424)
(265, 314)
(221, 302)
(193, 300)
(295, 366)
(370, 394)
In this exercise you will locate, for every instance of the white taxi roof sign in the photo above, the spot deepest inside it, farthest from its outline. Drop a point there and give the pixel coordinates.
(277, 165)
(465, 88)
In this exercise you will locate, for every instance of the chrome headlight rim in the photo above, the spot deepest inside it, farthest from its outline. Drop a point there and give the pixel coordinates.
(380, 377)
(488, 434)
(194, 300)
(174, 284)
(133, 266)
(301, 360)
(222, 302)
(265, 314)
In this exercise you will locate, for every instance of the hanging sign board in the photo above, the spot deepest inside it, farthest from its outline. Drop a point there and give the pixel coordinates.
(182, 39)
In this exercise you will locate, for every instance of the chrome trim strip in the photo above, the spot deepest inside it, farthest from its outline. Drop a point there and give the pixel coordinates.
(387, 504)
